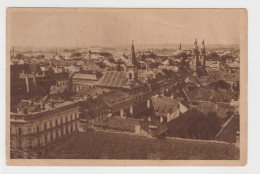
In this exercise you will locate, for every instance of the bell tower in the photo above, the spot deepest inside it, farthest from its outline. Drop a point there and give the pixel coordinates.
(195, 55)
(203, 54)
(132, 69)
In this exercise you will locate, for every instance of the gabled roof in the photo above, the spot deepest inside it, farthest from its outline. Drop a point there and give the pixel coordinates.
(166, 104)
(113, 79)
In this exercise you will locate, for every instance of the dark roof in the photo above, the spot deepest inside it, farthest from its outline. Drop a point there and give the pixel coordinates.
(165, 104)
(202, 94)
(223, 75)
(91, 91)
(113, 79)
(115, 97)
(94, 107)
(119, 123)
(29, 105)
(84, 76)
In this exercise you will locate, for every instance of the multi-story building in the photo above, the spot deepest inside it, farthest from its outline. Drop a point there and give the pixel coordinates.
(35, 130)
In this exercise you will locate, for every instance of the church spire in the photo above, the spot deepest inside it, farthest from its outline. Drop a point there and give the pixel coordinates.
(132, 57)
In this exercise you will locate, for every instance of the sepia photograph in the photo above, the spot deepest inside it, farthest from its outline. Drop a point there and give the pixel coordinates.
(107, 86)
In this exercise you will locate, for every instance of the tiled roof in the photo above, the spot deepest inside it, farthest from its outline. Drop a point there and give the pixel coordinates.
(113, 79)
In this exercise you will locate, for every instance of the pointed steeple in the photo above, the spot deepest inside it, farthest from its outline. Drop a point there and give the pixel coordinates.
(132, 57)
(203, 46)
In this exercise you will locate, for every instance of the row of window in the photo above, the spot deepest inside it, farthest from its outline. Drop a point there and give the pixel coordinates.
(53, 135)
(46, 125)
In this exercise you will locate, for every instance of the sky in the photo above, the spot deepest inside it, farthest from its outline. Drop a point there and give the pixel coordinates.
(79, 27)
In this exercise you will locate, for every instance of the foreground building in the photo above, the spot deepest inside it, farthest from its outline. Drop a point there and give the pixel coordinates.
(35, 128)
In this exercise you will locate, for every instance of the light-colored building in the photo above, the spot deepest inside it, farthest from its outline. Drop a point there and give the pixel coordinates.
(35, 128)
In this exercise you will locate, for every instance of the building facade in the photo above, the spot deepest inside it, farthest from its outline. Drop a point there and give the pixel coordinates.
(32, 133)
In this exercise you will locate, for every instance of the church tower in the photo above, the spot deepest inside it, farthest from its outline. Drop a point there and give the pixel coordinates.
(131, 67)
(195, 55)
(203, 54)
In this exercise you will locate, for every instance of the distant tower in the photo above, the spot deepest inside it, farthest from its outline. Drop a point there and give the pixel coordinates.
(203, 54)
(180, 46)
(131, 67)
(196, 57)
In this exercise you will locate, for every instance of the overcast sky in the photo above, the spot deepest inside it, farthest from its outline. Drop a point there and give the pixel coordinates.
(111, 27)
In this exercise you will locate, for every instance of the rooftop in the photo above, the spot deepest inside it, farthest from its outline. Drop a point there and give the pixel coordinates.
(113, 79)
(119, 123)
(84, 76)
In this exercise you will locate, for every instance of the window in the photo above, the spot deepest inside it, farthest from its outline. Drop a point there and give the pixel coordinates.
(29, 131)
(45, 139)
(45, 126)
(38, 129)
(61, 121)
(66, 119)
(56, 122)
(57, 133)
(50, 124)
(20, 131)
(51, 136)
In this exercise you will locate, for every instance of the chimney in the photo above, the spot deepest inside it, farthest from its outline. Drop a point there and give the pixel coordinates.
(149, 119)
(27, 83)
(42, 106)
(109, 113)
(34, 80)
(148, 103)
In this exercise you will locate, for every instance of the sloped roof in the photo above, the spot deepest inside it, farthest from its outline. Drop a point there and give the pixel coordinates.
(29, 105)
(90, 91)
(226, 76)
(119, 123)
(113, 79)
(84, 76)
(202, 94)
(115, 97)
(165, 104)
(95, 106)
